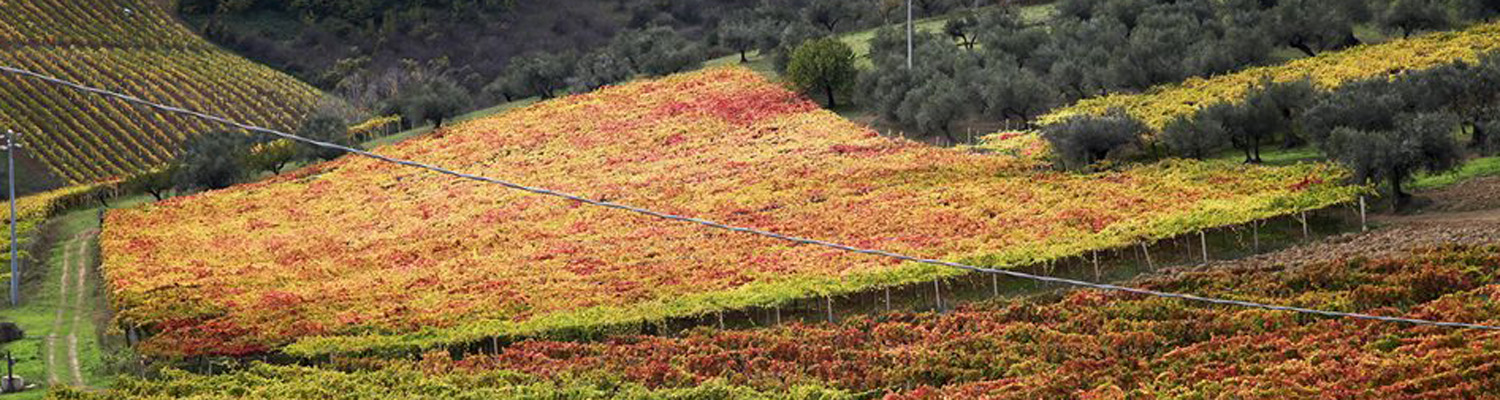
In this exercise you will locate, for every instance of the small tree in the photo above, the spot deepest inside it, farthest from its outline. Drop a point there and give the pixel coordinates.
(823, 66)
(939, 103)
(1489, 129)
(324, 128)
(436, 100)
(1422, 142)
(1012, 92)
(540, 74)
(741, 36)
(1083, 140)
(1411, 16)
(600, 68)
(155, 182)
(963, 29)
(657, 51)
(1313, 26)
(271, 156)
(213, 160)
(828, 14)
(1197, 136)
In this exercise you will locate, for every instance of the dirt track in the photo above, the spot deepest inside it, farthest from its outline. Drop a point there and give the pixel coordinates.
(1467, 213)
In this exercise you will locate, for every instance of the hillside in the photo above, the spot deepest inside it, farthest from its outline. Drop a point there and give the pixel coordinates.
(138, 48)
(1082, 344)
(311, 39)
(427, 260)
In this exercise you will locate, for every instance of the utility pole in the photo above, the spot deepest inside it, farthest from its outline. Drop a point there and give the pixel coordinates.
(910, 31)
(11, 143)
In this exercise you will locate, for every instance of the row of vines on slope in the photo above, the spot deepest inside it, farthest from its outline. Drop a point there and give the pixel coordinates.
(1161, 105)
(138, 48)
(94, 23)
(1083, 344)
(360, 255)
(87, 138)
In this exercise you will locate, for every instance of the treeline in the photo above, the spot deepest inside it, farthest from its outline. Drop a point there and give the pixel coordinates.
(996, 66)
(220, 159)
(1386, 129)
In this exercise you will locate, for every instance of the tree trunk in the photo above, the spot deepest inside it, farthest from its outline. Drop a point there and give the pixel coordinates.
(828, 90)
(743, 59)
(1480, 137)
(1255, 146)
(155, 193)
(948, 134)
(1301, 45)
(1398, 196)
(438, 124)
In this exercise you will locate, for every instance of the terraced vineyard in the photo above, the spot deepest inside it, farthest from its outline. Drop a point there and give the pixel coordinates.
(134, 47)
(425, 260)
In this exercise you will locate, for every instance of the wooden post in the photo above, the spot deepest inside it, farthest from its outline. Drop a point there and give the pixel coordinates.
(1203, 242)
(1146, 250)
(887, 299)
(1255, 231)
(829, 301)
(1097, 275)
(1364, 225)
(937, 292)
(1306, 234)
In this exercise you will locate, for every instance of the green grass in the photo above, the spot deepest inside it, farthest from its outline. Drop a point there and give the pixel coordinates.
(1476, 168)
(39, 309)
(1276, 155)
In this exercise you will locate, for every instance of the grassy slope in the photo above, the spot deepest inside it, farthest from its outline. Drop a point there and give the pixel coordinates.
(40, 298)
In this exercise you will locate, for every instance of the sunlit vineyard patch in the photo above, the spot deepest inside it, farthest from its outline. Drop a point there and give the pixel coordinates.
(359, 255)
(1082, 344)
(1160, 105)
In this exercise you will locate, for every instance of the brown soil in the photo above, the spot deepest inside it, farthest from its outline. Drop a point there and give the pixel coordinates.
(1467, 213)
(1471, 195)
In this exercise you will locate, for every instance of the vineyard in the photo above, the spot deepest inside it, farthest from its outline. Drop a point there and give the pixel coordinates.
(359, 255)
(137, 48)
(32, 212)
(1082, 344)
(1162, 104)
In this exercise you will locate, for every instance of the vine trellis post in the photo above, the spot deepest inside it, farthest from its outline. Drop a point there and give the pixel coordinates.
(1146, 251)
(1098, 276)
(828, 300)
(1364, 225)
(1255, 232)
(1203, 242)
(937, 293)
(1302, 217)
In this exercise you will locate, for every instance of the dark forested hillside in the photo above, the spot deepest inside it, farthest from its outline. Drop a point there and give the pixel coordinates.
(325, 41)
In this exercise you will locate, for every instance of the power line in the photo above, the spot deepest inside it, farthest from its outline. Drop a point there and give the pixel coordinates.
(752, 231)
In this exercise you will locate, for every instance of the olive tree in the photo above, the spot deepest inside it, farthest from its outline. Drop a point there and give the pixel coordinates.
(1419, 142)
(824, 66)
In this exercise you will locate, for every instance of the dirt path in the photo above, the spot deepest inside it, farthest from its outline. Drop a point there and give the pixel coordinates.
(81, 260)
(72, 293)
(57, 319)
(1465, 214)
